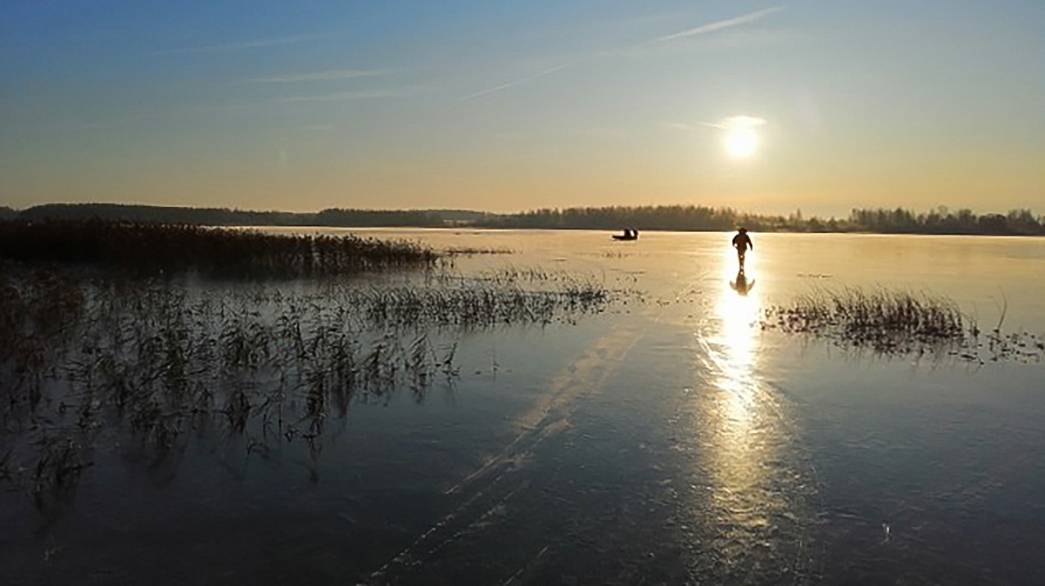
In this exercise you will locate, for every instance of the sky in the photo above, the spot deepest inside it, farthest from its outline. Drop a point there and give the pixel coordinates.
(497, 105)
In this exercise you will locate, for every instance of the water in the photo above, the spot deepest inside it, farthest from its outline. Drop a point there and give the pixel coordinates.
(668, 440)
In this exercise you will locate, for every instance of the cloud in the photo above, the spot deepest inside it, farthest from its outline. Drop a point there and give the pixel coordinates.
(516, 82)
(719, 24)
(349, 95)
(699, 30)
(328, 75)
(240, 45)
(738, 122)
(728, 123)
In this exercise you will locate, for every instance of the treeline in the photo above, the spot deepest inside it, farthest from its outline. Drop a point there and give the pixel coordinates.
(943, 221)
(617, 217)
(233, 217)
(376, 218)
(676, 217)
(703, 218)
(158, 214)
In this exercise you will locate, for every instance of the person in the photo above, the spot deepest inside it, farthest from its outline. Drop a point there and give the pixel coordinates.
(742, 242)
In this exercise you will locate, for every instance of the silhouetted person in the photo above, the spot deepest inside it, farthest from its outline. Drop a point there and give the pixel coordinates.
(740, 285)
(742, 242)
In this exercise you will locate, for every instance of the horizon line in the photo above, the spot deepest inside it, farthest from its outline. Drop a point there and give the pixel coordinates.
(940, 209)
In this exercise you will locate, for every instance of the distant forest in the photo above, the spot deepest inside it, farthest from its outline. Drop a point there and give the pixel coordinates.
(683, 218)
(898, 221)
(230, 217)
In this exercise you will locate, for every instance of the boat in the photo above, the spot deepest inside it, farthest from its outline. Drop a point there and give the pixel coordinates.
(629, 234)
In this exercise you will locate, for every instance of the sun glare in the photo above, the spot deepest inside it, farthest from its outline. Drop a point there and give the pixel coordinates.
(740, 139)
(741, 142)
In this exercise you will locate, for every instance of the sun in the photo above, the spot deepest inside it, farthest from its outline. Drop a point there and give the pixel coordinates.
(741, 142)
(741, 139)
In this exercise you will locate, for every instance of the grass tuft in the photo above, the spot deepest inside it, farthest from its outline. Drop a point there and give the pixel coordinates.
(899, 322)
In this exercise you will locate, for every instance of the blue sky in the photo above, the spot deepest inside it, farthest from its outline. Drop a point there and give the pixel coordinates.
(509, 105)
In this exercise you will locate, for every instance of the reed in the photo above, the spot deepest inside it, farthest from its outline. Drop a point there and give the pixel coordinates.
(158, 359)
(899, 322)
(876, 315)
(174, 247)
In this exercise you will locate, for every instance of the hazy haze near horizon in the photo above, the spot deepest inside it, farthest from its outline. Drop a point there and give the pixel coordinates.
(500, 106)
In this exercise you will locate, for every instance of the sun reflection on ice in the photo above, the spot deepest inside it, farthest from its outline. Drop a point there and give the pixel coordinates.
(735, 351)
(758, 482)
(734, 346)
(740, 421)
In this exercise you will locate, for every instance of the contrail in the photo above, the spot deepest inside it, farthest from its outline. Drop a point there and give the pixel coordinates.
(328, 75)
(720, 24)
(240, 45)
(349, 95)
(516, 82)
(702, 29)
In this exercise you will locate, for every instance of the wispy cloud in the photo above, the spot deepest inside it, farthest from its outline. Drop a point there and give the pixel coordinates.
(328, 75)
(350, 95)
(698, 30)
(719, 24)
(741, 121)
(515, 82)
(239, 46)
(728, 123)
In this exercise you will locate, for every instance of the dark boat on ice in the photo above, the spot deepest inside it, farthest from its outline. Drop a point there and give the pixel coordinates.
(629, 234)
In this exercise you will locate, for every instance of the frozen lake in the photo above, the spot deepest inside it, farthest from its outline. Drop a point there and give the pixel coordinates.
(668, 439)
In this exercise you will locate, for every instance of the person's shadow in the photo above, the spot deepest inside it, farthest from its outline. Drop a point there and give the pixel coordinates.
(741, 285)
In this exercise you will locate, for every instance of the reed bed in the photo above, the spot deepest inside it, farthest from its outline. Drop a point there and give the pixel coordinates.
(157, 359)
(899, 322)
(167, 247)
